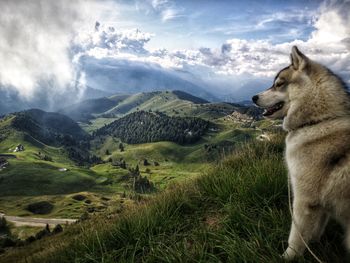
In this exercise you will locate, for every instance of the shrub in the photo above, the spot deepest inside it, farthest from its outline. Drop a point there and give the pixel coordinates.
(42, 207)
(79, 197)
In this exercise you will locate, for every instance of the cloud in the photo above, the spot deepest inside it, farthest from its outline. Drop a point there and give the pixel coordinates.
(107, 41)
(329, 44)
(35, 44)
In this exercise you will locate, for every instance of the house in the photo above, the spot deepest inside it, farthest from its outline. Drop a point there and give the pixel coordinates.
(19, 148)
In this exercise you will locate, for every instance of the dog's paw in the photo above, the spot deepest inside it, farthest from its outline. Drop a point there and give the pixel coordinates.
(290, 254)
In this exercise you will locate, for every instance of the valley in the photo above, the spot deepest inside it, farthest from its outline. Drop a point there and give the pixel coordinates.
(101, 156)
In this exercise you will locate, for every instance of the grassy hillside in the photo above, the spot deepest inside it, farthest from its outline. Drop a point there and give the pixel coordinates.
(176, 162)
(235, 212)
(48, 127)
(50, 142)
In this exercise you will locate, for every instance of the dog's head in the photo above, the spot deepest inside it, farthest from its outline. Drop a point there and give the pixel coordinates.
(276, 99)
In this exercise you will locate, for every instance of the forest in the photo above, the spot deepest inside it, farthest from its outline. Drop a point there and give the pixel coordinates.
(143, 127)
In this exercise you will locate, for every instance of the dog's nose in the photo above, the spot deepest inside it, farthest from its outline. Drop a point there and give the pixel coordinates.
(255, 98)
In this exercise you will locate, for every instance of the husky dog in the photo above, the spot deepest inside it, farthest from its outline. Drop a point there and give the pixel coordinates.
(315, 107)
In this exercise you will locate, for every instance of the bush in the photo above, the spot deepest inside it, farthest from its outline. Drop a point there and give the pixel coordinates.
(42, 207)
(42, 233)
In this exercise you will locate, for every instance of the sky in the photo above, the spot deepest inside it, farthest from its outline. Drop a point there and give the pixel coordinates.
(203, 23)
(229, 49)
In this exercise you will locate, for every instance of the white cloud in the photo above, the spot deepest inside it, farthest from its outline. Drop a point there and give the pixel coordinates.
(106, 40)
(35, 43)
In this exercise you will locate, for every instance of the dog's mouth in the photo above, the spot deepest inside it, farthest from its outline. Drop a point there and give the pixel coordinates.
(271, 110)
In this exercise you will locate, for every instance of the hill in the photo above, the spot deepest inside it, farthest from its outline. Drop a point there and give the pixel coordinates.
(142, 127)
(39, 128)
(48, 127)
(84, 110)
(235, 212)
(40, 144)
(121, 104)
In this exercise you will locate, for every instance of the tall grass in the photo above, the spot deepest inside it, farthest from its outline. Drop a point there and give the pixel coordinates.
(236, 212)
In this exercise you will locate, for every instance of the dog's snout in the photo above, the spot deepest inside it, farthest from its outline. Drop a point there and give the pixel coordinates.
(255, 98)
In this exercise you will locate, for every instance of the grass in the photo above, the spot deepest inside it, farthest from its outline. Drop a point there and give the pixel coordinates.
(23, 232)
(65, 206)
(40, 178)
(235, 212)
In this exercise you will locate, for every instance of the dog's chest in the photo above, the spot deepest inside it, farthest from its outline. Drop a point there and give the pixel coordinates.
(297, 158)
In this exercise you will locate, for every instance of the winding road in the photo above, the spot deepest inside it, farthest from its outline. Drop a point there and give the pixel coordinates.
(39, 222)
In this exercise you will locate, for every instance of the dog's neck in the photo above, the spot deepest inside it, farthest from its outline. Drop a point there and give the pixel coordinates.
(319, 104)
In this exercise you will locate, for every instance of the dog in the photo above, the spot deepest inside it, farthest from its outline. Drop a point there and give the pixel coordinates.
(315, 107)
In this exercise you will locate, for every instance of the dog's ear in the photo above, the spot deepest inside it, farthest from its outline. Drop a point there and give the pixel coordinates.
(298, 59)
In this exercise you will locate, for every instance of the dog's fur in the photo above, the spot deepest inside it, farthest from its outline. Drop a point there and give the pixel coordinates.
(316, 115)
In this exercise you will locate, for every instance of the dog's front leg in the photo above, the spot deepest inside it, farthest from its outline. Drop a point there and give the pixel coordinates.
(306, 221)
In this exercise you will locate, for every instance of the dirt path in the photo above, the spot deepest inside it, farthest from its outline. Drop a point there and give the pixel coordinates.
(40, 222)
